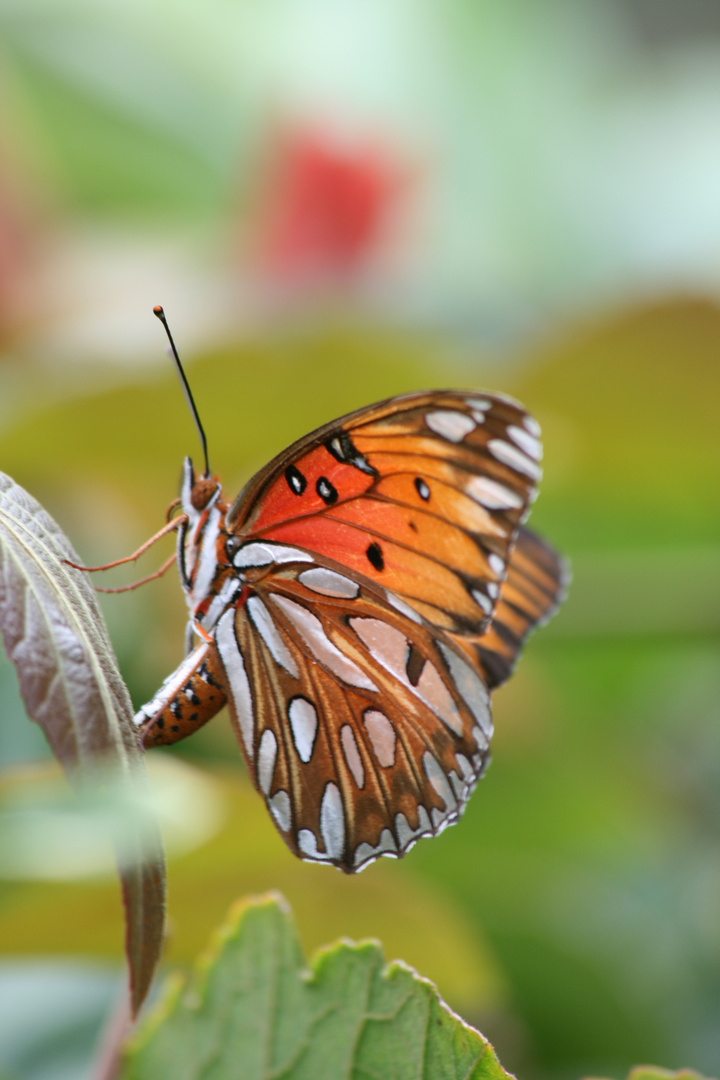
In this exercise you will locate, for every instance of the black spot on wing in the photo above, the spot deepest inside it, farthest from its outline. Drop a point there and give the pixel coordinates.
(422, 489)
(375, 556)
(296, 481)
(326, 491)
(341, 447)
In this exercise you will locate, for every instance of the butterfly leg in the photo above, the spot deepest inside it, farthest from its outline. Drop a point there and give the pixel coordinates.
(191, 696)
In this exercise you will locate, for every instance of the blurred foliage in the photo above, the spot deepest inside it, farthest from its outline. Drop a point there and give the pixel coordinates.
(81, 916)
(556, 156)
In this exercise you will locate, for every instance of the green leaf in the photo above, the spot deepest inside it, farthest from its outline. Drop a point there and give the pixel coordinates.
(55, 635)
(255, 1011)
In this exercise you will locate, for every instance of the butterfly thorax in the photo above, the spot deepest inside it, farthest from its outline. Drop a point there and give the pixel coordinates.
(205, 571)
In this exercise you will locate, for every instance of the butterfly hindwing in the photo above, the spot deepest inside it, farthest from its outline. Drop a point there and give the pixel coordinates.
(361, 727)
(422, 495)
(537, 579)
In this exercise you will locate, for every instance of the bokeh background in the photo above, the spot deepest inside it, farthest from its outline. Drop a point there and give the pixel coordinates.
(339, 200)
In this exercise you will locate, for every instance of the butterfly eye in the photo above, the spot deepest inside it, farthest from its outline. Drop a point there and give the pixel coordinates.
(231, 547)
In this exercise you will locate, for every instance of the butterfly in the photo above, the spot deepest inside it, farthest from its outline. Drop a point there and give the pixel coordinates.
(355, 606)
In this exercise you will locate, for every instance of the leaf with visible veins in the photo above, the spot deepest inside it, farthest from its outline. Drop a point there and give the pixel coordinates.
(254, 1011)
(55, 635)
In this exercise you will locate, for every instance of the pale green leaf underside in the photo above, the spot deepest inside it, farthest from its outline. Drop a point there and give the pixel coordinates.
(55, 635)
(256, 1012)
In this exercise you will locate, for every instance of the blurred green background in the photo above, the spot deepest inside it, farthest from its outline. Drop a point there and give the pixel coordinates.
(339, 200)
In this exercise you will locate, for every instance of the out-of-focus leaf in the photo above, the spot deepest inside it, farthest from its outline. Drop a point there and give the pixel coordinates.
(55, 635)
(415, 919)
(51, 833)
(254, 1010)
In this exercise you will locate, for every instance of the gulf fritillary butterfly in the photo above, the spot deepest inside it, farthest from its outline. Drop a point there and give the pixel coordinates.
(356, 605)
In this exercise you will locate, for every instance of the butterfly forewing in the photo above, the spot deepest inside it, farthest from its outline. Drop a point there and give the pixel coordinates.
(367, 730)
(422, 495)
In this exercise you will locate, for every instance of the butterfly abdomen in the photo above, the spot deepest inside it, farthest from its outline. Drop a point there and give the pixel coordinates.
(192, 695)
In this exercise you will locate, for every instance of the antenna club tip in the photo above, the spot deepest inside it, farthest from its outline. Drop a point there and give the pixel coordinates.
(158, 310)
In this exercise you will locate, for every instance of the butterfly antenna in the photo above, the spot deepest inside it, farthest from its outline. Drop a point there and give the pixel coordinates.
(158, 311)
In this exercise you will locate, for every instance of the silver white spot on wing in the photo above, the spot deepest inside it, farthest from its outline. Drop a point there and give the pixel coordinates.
(329, 583)
(389, 647)
(266, 628)
(479, 403)
(399, 604)
(484, 601)
(332, 821)
(280, 809)
(492, 495)
(237, 678)
(352, 755)
(527, 443)
(492, 589)
(497, 565)
(433, 691)
(307, 842)
(480, 738)
(465, 767)
(510, 455)
(458, 787)
(259, 554)
(382, 736)
(438, 780)
(471, 689)
(304, 724)
(532, 426)
(366, 853)
(440, 819)
(384, 642)
(407, 836)
(320, 645)
(267, 754)
(452, 425)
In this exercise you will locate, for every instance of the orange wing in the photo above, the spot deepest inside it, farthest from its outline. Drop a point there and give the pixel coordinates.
(422, 495)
